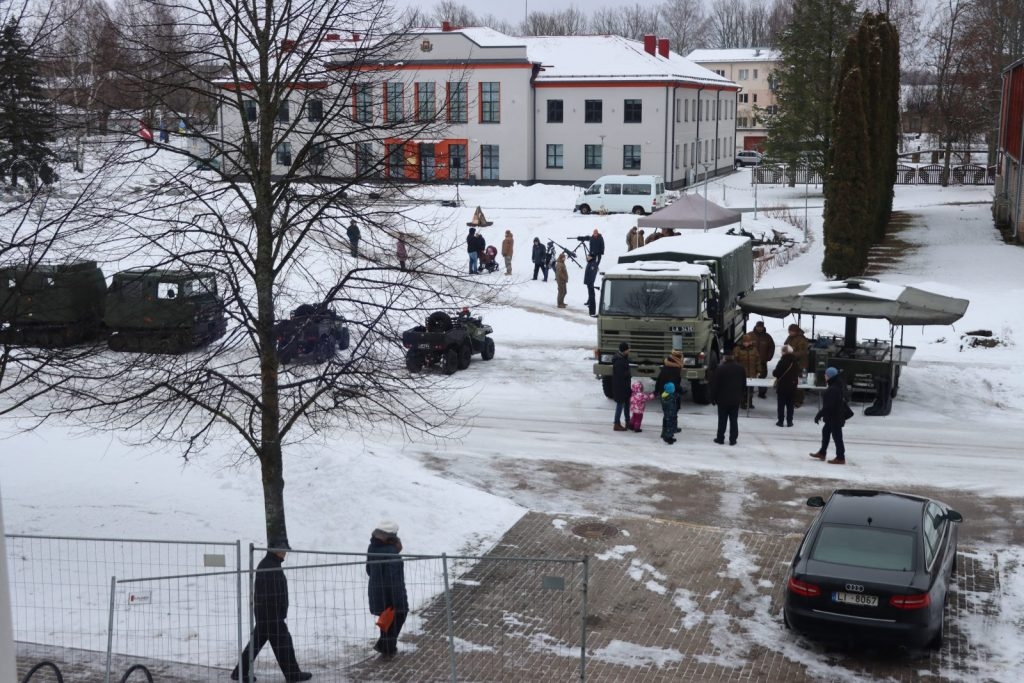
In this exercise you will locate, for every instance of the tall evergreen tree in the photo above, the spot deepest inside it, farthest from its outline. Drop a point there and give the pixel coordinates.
(807, 79)
(26, 120)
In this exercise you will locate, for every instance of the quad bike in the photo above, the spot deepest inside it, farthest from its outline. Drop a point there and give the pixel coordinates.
(313, 334)
(447, 342)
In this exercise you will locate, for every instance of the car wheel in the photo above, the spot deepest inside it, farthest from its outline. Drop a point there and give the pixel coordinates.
(939, 638)
(450, 362)
(585, 209)
(487, 353)
(785, 621)
(465, 356)
(639, 211)
(414, 361)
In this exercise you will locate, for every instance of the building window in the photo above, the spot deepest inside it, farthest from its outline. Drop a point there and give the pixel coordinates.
(632, 111)
(490, 103)
(592, 156)
(771, 109)
(458, 102)
(743, 74)
(554, 156)
(675, 156)
(365, 159)
(396, 161)
(394, 110)
(741, 121)
(283, 114)
(686, 155)
(364, 103)
(631, 157)
(679, 113)
(250, 110)
(696, 108)
(424, 102)
(284, 154)
(593, 111)
(720, 72)
(458, 164)
(315, 110)
(744, 98)
(755, 74)
(488, 162)
(554, 111)
(317, 157)
(755, 98)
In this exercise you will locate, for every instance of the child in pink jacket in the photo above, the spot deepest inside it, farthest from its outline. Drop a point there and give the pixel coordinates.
(637, 402)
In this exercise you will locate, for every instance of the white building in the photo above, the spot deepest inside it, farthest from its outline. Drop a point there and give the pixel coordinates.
(496, 108)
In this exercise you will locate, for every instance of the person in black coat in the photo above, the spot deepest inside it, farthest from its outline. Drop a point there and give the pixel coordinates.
(270, 607)
(596, 245)
(621, 379)
(728, 390)
(589, 279)
(472, 251)
(833, 412)
(539, 256)
(353, 237)
(386, 587)
(787, 377)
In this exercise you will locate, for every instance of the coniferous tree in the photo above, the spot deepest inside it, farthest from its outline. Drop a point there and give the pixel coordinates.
(26, 121)
(890, 114)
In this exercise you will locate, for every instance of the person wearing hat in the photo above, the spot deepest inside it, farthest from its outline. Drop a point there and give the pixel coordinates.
(631, 239)
(727, 390)
(765, 346)
(270, 607)
(787, 376)
(561, 278)
(507, 248)
(539, 257)
(590, 280)
(386, 587)
(801, 349)
(671, 371)
(638, 399)
(472, 251)
(353, 237)
(597, 245)
(834, 412)
(747, 356)
(669, 414)
(621, 377)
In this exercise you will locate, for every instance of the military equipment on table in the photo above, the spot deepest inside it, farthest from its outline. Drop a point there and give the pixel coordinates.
(163, 311)
(51, 305)
(679, 292)
(313, 334)
(447, 341)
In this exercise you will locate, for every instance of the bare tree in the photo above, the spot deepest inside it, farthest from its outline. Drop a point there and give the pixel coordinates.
(453, 12)
(683, 23)
(568, 22)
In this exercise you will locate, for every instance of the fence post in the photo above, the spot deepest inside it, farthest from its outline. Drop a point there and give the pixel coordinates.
(110, 628)
(238, 589)
(448, 617)
(583, 619)
(251, 620)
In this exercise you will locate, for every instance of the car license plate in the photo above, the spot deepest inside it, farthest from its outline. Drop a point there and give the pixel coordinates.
(855, 599)
(424, 346)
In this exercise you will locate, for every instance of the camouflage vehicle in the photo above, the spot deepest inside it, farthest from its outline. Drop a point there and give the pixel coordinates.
(312, 334)
(163, 311)
(447, 341)
(678, 292)
(51, 305)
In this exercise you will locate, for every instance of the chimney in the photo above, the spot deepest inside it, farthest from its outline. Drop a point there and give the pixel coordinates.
(446, 26)
(287, 45)
(356, 37)
(650, 43)
(663, 47)
(332, 37)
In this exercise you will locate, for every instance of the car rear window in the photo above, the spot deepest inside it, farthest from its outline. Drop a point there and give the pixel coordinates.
(865, 547)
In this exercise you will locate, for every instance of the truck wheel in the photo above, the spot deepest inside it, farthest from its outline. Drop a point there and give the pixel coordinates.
(585, 209)
(606, 386)
(639, 211)
(487, 352)
(414, 361)
(465, 356)
(450, 362)
(326, 349)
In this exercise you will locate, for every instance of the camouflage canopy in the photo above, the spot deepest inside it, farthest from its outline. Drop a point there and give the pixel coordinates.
(687, 213)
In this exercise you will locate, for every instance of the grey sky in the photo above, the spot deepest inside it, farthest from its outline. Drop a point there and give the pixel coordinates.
(510, 10)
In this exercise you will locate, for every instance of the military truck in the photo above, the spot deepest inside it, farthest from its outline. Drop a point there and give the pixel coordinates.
(678, 292)
(163, 311)
(51, 305)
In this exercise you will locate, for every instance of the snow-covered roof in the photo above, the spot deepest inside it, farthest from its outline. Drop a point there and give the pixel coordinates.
(747, 54)
(649, 268)
(484, 36)
(705, 243)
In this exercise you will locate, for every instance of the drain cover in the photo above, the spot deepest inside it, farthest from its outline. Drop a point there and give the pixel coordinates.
(595, 530)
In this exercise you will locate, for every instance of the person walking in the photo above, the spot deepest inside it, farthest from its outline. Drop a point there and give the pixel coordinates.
(787, 376)
(561, 278)
(669, 414)
(589, 279)
(539, 258)
(638, 399)
(801, 349)
(747, 356)
(765, 346)
(727, 391)
(353, 237)
(270, 608)
(834, 412)
(386, 587)
(631, 239)
(402, 252)
(620, 384)
(596, 245)
(472, 251)
(507, 246)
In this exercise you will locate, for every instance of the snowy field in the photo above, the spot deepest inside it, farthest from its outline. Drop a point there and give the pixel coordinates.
(954, 426)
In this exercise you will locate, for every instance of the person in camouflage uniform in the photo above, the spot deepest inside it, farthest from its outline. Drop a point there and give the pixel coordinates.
(747, 355)
(801, 349)
(766, 350)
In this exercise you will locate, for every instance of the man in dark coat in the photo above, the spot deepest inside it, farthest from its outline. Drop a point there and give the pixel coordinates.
(833, 411)
(386, 587)
(787, 376)
(270, 607)
(621, 379)
(671, 371)
(589, 279)
(728, 390)
(539, 257)
(472, 250)
(353, 237)
(596, 245)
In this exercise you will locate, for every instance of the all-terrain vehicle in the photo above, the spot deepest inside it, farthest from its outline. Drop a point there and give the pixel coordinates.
(447, 341)
(163, 311)
(51, 305)
(313, 334)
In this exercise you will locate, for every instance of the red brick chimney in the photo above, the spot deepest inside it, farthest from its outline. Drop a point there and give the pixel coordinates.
(663, 47)
(287, 45)
(332, 37)
(650, 43)
(356, 37)
(446, 26)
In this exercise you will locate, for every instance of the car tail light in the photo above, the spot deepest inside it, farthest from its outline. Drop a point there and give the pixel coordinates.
(799, 587)
(917, 601)
(700, 358)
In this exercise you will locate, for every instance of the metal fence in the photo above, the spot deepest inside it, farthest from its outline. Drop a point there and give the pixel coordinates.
(906, 174)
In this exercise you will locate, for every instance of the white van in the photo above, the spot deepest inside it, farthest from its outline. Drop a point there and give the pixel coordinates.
(639, 194)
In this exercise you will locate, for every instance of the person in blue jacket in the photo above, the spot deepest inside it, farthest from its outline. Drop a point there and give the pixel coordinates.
(386, 588)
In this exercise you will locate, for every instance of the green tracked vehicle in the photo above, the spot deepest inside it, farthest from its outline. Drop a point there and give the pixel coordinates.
(51, 305)
(163, 311)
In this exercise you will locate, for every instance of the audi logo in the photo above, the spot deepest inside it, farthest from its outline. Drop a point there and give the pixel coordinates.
(855, 588)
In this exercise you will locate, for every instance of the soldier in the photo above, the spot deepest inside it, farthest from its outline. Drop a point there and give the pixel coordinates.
(747, 356)
(507, 246)
(640, 238)
(631, 239)
(590, 279)
(562, 278)
(596, 245)
(801, 349)
(765, 346)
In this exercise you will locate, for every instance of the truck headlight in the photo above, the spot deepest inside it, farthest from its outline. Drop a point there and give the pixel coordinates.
(606, 357)
(689, 362)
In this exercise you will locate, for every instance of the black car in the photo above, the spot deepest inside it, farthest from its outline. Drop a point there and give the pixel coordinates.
(874, 566)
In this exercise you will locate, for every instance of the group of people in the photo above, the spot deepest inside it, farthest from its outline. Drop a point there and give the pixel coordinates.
(729, 392)
(386, 593)
(354, 235)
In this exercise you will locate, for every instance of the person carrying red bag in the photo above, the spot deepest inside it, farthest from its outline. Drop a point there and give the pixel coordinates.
(386, 589)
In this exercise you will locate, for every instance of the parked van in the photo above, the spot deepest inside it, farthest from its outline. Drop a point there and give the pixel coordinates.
(639, 194)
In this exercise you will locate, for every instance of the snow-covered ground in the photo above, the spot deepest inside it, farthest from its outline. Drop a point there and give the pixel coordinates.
(954, 426)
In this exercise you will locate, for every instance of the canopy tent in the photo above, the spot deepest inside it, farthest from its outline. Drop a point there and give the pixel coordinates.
(687, 213)
(858, 298)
